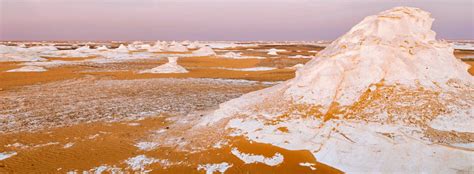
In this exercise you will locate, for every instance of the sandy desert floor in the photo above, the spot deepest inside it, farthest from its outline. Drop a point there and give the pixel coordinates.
(83, 116)
(89, 116)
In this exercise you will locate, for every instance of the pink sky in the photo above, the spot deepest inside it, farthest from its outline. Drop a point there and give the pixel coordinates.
(212, 19)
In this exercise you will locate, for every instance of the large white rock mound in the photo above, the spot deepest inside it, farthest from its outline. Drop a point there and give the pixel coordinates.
(384, 97)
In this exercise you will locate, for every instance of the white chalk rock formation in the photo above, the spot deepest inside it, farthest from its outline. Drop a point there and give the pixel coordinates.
(120, 53)
(18, 54)
(238, 55)
(84, 49)
(102, 48)
(272, 52)
(81, 52)
(66, 54)
(155, 49)
(40, 49)
(232, 55)
(170, 67)
(463, 46)
(186, 42)
(158, 47)
(28, 69)
(300, 57)
(144, 47)
(176, 47)
(385, 97)
(193, 45)
(132, 48)
(204, 51)
(122, 49)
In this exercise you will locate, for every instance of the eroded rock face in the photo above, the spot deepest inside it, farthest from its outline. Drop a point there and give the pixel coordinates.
(384, 91)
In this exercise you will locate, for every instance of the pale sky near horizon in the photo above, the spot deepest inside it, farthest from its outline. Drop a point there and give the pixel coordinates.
(212, 19)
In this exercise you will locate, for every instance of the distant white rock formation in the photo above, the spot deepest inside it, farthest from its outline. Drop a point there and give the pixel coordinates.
(121, 49)
(81, 52)
(85, 49)
(19, 54)
(102, 48)
(170, 67)
(144, 47)
(176, 47)
(193, 45)
(204, 51)
(158, 47)
(272, 52)
(232, 55)
(463, 46)
(132, 48)
(238, 55)
(300, 57)
(40, 49)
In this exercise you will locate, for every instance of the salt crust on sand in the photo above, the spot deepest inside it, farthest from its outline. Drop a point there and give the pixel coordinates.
(138, 163)
(251, 158)
(146, 146)
(211, 168)
(238, 55)
(310, 165)
(261, 68)
(29, 69)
